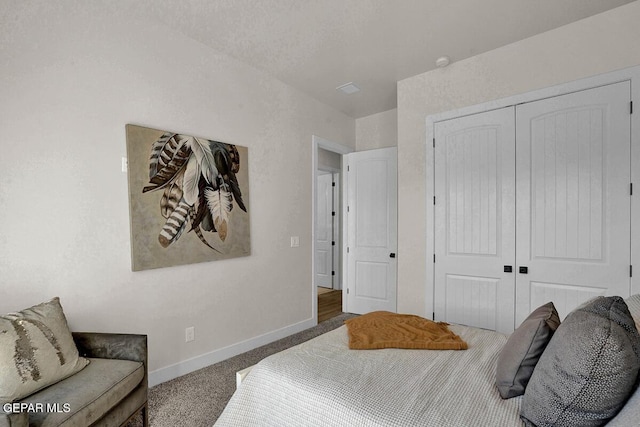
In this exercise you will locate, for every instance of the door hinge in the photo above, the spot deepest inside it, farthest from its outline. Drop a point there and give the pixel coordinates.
(631, 271)
(434, 200)
(333, 273)
(333, 243)
(434, 143)
(347, 291)
(433, 315)
(347, 168)
(333, 184)
(347, 249)
(631, 188)
(333, 214)
(434, 258)
(630, 107)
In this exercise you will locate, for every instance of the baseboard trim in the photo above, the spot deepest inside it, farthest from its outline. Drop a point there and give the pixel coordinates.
(186, 366)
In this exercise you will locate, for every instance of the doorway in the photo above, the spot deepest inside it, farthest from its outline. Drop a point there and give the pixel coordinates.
(327, 228)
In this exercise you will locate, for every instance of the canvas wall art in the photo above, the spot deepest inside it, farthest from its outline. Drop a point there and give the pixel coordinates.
(188, 199)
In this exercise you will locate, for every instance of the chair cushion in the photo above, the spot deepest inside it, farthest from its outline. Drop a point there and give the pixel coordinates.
(522, 351)
(36, 350)
(89, 394)
(588, 370)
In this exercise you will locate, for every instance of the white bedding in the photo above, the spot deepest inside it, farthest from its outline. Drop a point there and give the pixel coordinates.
(323, 383)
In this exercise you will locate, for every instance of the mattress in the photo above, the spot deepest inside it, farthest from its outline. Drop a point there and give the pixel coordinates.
(323, 383)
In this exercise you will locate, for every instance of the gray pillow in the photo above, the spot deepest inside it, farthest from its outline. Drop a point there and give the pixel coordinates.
(520, 354)
(588, 370)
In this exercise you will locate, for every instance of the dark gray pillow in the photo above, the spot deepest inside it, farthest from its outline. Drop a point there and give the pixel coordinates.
(523, 349)
(588, 370)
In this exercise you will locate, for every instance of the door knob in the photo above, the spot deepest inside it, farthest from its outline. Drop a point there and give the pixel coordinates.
(392, 255)
(523, 270)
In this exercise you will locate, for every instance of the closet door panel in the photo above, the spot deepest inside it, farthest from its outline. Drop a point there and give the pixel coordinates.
(573, 204)
(475, 220)
(564, 296)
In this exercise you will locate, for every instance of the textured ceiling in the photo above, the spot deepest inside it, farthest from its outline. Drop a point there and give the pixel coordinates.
(317, 45)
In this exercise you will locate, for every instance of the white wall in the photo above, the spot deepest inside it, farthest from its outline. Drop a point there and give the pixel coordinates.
(605, 42)
(377, 131)
(72, 75)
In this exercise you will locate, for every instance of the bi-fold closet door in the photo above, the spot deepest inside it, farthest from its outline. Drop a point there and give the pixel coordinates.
(532, 205)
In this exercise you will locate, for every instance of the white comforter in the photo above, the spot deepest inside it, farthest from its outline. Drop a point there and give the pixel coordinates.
(323, 383)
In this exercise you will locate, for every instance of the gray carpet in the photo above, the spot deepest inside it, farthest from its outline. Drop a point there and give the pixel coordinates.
(198, 398)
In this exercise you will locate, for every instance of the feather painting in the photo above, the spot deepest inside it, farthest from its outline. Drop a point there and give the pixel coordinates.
(202, 196)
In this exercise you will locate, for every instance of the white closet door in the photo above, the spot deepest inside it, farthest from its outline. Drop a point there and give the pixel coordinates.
(573, 202)
(475, 220)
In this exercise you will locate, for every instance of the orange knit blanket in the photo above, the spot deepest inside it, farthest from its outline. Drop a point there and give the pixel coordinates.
(382, 329)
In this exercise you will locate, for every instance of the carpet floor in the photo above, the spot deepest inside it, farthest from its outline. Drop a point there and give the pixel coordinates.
(198, 398)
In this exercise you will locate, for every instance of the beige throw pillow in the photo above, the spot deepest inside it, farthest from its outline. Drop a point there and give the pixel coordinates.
(36, 350)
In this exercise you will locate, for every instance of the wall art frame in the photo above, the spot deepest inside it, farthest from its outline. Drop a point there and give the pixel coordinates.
(188, 199)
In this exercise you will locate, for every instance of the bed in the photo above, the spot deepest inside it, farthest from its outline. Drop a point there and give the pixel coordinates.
(323, 383)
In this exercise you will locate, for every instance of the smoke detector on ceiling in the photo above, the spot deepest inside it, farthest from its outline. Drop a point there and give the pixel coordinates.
(348, 88)
(442, 62)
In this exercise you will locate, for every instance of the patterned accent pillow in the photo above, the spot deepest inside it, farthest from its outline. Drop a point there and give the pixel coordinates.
(522, 351)
(588, 370)
(36, 350)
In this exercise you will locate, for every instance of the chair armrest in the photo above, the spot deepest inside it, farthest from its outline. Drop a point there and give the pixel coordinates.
(112, 346)
(133, 347)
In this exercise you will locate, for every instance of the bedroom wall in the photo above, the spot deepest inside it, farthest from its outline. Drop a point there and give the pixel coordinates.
(602, 43)
(377, 131)
(72, 75)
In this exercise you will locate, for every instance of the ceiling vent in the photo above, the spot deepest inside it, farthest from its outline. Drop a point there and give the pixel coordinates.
(348, 88)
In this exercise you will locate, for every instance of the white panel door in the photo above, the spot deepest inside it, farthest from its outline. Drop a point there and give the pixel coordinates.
(372, 230)
(573, 202)
(475, 220)
(324, 231)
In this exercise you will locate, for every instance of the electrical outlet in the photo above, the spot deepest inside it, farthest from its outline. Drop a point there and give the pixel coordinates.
(295, 241)
(125, 164)
(189, 334)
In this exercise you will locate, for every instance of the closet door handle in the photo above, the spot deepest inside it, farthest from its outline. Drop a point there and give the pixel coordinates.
(392, 255)
(523, 270)
(508, 269)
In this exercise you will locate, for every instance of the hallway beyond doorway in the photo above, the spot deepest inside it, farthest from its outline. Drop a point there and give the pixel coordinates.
(329, 303)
